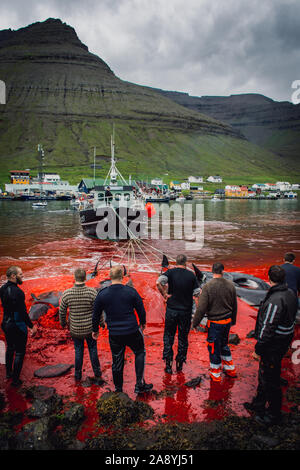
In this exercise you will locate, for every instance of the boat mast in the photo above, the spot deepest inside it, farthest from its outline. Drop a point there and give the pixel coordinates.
(41, 154)
(113, 171)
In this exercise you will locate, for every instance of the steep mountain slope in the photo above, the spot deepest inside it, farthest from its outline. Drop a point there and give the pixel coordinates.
(270, 124)
(67, 99)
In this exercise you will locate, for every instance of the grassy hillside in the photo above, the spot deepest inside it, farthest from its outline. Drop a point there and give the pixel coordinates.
(141, 151)
(67, 99)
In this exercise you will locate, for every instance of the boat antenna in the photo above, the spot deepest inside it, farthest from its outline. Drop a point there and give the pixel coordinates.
(94, 166)
(113, 171)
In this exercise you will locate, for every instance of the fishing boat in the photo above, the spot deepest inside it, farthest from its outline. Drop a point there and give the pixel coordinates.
(157, 198)
(113, 211)
(39, 205)
(216, 198)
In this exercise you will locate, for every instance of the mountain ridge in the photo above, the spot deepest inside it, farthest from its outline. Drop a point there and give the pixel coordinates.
(61, 95)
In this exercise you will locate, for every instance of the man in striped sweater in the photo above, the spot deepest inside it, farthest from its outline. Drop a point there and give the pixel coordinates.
(274, 332)
(80, 299)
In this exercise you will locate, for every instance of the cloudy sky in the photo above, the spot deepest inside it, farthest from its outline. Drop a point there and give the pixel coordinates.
(202, 47)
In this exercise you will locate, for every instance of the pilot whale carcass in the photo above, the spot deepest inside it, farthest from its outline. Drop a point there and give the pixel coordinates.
(43, 303)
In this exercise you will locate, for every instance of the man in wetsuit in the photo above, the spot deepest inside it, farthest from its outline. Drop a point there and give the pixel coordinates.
(178, 286)
(15, 323)
(119, 303)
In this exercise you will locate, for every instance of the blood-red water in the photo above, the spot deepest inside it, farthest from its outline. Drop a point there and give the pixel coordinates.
(49, 254)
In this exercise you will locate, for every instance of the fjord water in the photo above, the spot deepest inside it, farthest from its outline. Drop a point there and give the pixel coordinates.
(243, 234)
(48, 244)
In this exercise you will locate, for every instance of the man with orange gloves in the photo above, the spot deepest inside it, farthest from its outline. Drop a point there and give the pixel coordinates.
(218, 301)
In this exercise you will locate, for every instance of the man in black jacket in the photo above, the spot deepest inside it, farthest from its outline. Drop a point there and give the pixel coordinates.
(119, 302)
(178, 286)
(274, 332)
(15, 323)
(292, 273)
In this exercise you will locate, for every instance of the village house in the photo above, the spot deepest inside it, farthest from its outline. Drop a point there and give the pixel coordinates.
(195, 179)
(214, 179)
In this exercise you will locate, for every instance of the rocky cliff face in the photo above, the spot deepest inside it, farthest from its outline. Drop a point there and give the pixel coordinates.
(263, 121)
(47, 69)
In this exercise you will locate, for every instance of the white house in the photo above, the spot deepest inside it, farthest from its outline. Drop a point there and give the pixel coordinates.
(283, 186)
(232, 187)
(157, 181)
(214, 179)
(195, 179)
(261, 186)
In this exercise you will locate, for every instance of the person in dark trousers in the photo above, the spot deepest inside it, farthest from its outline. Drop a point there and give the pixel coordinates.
(119, 303)
(274, 332)
(178, 286)
(292, 273)
(108, 195)
(15, 323)
(79, 301)
(219, 303)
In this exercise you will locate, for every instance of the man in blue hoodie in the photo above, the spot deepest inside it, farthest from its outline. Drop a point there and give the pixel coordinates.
(119, 303)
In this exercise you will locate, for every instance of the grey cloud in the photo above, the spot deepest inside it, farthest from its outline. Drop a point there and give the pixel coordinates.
(197, 46)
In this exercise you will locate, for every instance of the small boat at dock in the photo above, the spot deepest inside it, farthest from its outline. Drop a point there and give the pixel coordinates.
(39, 205)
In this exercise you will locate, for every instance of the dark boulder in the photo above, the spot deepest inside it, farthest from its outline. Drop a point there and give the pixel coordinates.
(35, 435)
(119, 410)
(45, 401)
(53, 370)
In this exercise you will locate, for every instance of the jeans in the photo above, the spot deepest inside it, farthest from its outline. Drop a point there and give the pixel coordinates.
(79, 351)
(176, 319)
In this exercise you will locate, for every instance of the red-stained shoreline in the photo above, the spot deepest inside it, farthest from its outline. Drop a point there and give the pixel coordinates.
(172, 399)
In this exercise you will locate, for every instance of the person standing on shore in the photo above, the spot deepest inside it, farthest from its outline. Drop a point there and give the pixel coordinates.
(15, 323)
(218, 301)
(119, 303)
(292, 273)
(80, 299)
(274, 332)
(178, 286)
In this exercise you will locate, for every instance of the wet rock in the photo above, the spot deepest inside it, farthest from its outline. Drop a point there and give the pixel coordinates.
(53, 370)
(7, 434)
(293, 395)
(46, 401)
(35, 435)
(119, 410)
(251, 334)
(233, 339)
(74, 415)
(194, 382)
(266, 441)
(40, 392)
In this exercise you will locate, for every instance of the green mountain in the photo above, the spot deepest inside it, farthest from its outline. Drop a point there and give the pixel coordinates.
(273, 125)
(67, 99)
